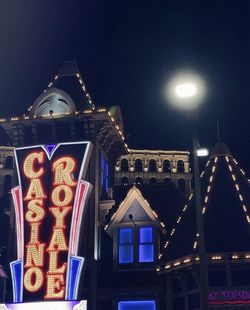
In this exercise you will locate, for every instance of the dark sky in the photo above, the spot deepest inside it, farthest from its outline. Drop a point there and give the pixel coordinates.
(127, 51)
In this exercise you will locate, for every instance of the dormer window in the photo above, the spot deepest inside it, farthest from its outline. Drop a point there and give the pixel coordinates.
(136, 245)
(135, 229)
(146, 245)
(126, 246)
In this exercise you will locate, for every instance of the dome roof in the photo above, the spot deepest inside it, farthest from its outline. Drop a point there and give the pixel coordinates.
(220, 149)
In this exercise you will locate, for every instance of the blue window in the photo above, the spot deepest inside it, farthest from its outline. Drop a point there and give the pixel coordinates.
(107, 176)
(104, 174)
(102, 170)
(137, 305)
(126, 246)
(146, 245)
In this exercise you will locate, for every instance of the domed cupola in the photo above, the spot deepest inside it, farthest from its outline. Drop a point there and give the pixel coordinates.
(53, 102)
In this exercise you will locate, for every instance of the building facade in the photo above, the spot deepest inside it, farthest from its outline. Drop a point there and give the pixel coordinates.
(154, 166)
(138, 235)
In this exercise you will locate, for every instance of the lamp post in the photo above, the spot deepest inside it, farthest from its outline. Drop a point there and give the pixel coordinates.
(186, 92)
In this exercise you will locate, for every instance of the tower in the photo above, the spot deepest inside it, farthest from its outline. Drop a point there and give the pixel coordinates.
(65, 113)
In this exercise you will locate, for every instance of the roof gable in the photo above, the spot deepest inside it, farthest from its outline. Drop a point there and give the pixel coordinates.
(138, 212)
(134, 204)
(69, 80)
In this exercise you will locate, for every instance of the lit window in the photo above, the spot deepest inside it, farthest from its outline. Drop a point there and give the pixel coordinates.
(104, 174)
(146, 245)
(137, 305)
(126, 247)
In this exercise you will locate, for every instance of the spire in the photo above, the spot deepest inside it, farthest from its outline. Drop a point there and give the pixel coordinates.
(69, 68)
(225, 207)
(218, 131)
(69, 80)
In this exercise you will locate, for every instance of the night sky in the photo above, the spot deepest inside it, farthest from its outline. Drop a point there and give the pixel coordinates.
(127, 51)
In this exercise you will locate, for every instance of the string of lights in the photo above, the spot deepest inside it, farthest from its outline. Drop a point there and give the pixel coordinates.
(215, 257)
(212, 258)
(179, 219)
(82, 85)
(145, 201)
(117, 127)
(237, 186)
(241, 171)
(207, 195)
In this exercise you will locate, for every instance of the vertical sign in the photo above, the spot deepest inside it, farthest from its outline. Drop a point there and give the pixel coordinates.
(49, 207)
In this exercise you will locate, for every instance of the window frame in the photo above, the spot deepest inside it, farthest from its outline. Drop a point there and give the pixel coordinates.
(145, 243)
(137, 301)
(124, 244)
(136, 264)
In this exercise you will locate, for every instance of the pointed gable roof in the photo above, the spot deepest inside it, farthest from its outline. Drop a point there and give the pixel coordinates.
(134, 203)
(69, 80)
(225, 207)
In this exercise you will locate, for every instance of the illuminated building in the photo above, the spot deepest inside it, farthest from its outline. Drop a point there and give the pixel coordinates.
(137, 241)
(64, 112)
(226, 201)
(154, 166)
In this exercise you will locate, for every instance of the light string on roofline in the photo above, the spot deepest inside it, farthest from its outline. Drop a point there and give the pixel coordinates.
(82, 85)
(203, 172)
(146, 202)
(117, 127)
(80, 80)
(209, 187)
(179, 219)
(237, 187)
(241, 171)
(207, 195)
(212, 257)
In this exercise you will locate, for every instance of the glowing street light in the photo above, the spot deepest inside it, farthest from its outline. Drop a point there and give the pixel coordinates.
(186, 91)
(202, 152)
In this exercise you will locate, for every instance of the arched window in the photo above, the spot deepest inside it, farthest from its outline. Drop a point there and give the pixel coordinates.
(180, 166)
(9, 162)
(124, 181)
(152, 180)
(138, 180)
(7, 185)
(152, 165)
(138, 165)
(124, 164)
(167, 180)
(182, 185)
(166, 166)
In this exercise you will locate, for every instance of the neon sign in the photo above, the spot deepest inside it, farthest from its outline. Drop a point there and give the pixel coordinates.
(229, 297)
(49, 205)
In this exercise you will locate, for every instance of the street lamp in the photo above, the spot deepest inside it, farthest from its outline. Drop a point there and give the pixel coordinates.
(186, 91)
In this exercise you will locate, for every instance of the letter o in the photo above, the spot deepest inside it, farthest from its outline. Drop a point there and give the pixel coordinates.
(38, 278)
(57, 195)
